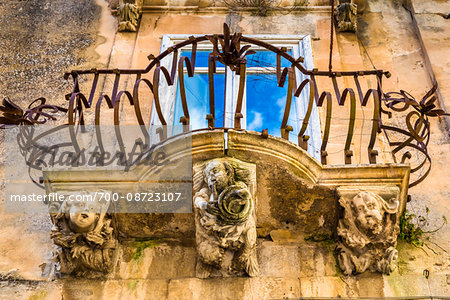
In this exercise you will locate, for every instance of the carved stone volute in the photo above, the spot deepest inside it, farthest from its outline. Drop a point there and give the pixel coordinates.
(225, 219)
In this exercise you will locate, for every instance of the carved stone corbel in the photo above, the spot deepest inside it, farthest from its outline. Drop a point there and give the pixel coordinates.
(128, 13)
(225, 218)
(346, 16)
(368, 231)
(83, 235)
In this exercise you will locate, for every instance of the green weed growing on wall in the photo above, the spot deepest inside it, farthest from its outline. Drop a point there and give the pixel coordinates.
(412, 227)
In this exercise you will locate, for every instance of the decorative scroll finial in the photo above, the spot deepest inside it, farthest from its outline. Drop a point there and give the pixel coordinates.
(231, 53)
(37, 112)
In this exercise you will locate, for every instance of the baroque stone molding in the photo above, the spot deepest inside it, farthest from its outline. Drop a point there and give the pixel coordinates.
(275, 154)
(83, 236)
(346, 16)
(368, 230)
(225, 219)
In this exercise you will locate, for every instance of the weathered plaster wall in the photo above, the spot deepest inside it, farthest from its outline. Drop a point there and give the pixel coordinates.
(385, 34)
(39, 41)
(409, 66)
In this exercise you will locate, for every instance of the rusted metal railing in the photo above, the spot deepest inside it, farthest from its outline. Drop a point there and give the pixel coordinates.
(228, 50)
(231, 54)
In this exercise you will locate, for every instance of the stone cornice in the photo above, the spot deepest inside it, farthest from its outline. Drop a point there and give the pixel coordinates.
(156, 9)
(251, 147)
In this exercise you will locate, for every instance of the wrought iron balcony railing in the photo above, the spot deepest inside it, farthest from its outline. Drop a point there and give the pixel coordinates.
(228, 50)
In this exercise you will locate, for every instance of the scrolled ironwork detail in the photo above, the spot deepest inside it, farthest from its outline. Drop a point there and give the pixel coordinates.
(417, 135)
(228, 50)
(37, 112)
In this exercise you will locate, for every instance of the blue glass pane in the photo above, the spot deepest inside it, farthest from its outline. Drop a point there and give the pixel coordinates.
(262, 58)
(266, 59)
(197, 97)
(201, 58)
(266, 103)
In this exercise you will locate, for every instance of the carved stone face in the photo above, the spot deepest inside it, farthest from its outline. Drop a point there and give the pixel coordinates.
(217, 176)
(81, 216)
(368, 213)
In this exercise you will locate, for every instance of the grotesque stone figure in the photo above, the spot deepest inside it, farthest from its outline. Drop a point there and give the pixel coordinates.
(128, 14)
(368, 234)
(83, 235)
(346, 16)
(225, 224)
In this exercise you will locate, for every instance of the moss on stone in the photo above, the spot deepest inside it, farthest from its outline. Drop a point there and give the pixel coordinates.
(320, 237)
(140, 245)
(337, 269)
(402, 266)
(41, 294)
(131, 285)
(327, 241)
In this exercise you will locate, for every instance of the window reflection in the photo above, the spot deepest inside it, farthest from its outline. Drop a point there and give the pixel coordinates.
(197, 98)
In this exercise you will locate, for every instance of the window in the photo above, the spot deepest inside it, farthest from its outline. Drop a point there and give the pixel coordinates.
(197, 92)
(263, 102)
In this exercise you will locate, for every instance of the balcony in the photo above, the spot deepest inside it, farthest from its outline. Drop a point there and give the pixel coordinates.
(276, 178)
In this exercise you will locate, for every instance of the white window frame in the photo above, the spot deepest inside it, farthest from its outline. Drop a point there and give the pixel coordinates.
(300, 46)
